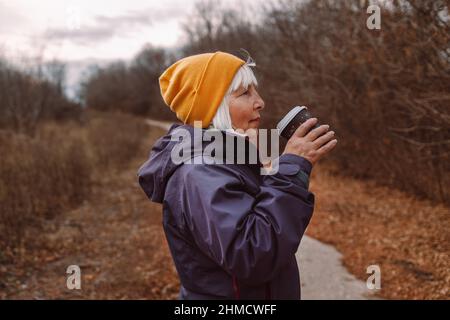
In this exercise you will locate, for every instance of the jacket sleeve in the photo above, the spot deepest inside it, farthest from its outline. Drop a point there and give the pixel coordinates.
(249, 236)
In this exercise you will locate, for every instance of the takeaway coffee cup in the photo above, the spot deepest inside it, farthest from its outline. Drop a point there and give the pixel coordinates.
(292, 120)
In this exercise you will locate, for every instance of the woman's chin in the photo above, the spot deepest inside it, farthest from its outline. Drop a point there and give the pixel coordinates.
(253, 124)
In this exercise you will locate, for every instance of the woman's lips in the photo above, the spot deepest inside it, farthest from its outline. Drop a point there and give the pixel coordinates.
(254, 120)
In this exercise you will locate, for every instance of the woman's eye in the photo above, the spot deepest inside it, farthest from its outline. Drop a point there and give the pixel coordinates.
(245, 92)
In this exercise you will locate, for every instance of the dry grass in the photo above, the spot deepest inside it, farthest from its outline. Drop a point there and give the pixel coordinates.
(115, 237)
(39, 177)
(53, 171)
(115, 139)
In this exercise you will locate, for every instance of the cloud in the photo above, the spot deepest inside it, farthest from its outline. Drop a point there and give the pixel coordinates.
(136, 18)
(83, 36)
(103, 28)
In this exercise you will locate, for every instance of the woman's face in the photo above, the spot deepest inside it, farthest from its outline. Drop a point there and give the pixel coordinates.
(245, 106)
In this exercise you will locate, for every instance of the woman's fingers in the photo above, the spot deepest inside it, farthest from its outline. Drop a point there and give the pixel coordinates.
(305, 127)
(323, 139)
(327, 147)
(317, 132)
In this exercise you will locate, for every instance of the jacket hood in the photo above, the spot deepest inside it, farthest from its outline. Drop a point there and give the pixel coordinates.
(154, 174)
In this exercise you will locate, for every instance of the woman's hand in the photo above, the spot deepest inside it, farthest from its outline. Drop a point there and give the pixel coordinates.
(311, 146)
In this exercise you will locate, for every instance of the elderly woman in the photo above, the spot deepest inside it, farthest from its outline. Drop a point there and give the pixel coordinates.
(232, 232)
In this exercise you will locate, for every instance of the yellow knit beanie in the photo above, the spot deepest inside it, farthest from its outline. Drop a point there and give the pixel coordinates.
(194, 87)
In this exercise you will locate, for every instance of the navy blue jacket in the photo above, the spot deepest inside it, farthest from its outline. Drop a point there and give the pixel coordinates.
(232, 232)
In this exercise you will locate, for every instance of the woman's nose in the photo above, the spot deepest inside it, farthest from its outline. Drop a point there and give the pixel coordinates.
(260, 104)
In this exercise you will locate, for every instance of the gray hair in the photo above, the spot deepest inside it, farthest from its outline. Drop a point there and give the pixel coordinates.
(243, 77)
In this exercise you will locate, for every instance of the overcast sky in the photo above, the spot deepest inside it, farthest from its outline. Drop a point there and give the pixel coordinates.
(94, 29)
(83, 32)
(98, 29)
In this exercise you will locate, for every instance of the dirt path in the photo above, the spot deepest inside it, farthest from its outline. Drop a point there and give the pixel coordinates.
(324, 277)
